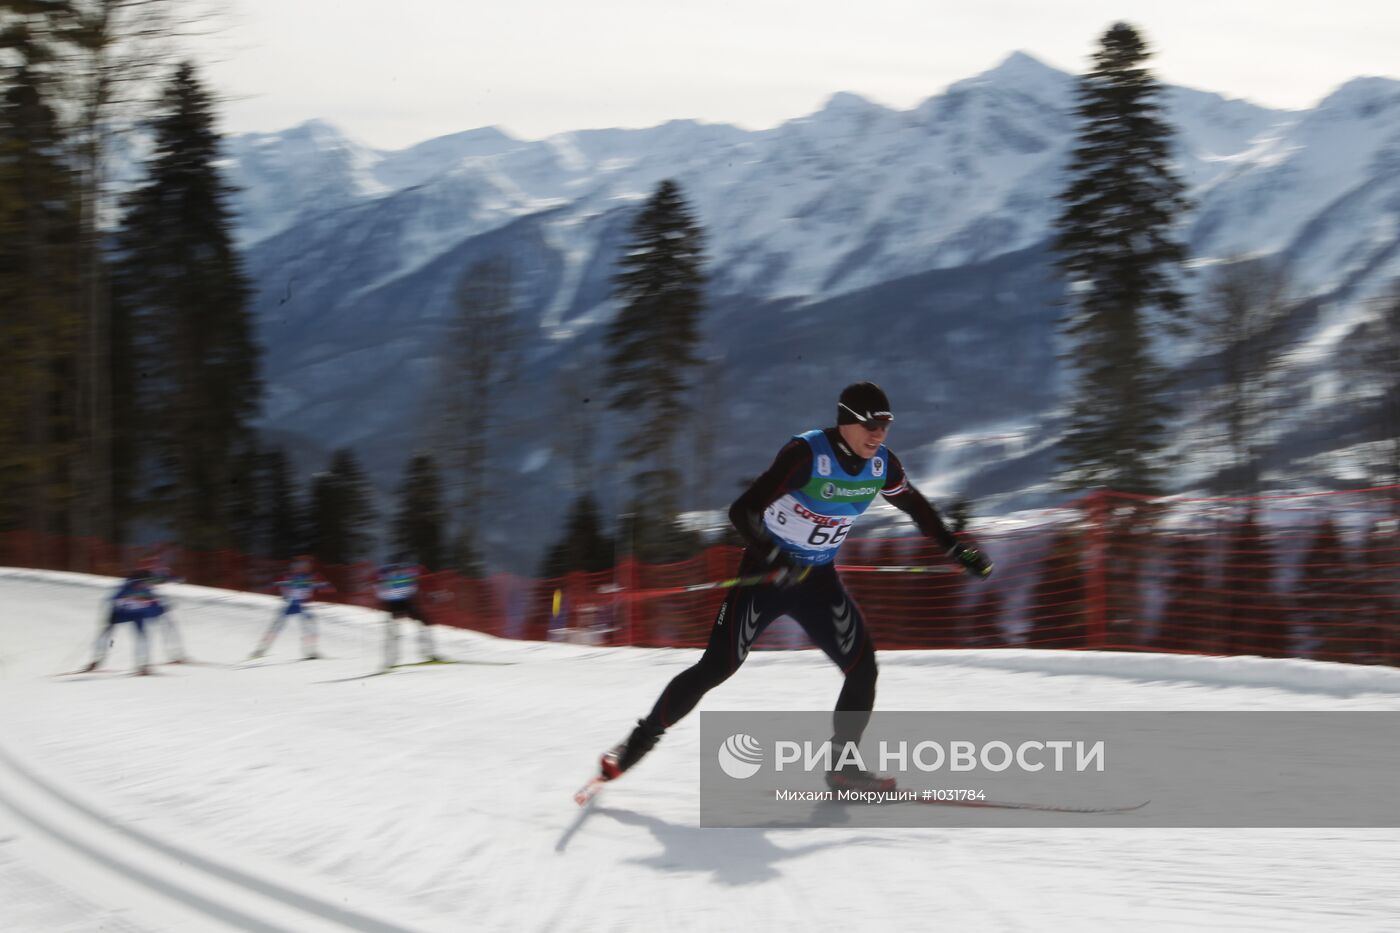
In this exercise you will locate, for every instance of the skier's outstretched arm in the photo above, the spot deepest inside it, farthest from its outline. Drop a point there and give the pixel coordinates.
(902, 494)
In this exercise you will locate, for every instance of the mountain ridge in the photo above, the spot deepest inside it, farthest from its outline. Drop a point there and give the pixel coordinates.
(856, 207)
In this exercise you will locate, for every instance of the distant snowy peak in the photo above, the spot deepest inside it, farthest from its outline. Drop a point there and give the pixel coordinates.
(419, 163)
(1008, 106)
(847, 107)
(282, 177)
(1020, 72)
(1315, 188)
(305, 150)
(311, 136)
(852, 194)
(485, 140)
(1364, 99)
(607, 150)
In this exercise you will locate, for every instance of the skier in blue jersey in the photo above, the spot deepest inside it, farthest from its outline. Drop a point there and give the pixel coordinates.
(135, 602)
(158, 572)
(298, 589)
(793, 520)
(397, 589)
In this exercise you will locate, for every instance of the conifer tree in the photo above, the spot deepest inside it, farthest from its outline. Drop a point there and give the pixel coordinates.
(248, 510)
(1324, 586)
(114, 54)
(183, 296)
(1115, 246)
(342, 513)
(40, 325)
(285, 529)
(1380, 360)
(1246, 300)
(479, 362)
(464, 555)
(419, 523)
(652, 347)
(583, 546)
(272, 524)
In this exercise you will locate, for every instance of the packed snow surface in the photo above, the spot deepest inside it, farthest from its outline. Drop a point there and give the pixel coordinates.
(301, 796)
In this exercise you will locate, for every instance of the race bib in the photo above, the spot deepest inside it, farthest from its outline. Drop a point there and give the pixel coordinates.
(812, 537)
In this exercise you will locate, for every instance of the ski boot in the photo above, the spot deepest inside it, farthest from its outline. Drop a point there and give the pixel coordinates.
(619, 759)
(626, 754)
(858, 779)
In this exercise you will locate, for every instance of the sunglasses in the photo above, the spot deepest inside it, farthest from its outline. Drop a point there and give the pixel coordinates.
(870, 420)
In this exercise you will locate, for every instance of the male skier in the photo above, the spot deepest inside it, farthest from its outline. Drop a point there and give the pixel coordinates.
(793, 520)
(396, 587)
(134, 601)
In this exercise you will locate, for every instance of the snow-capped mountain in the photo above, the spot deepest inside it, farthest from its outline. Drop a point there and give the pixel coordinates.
(857, 242)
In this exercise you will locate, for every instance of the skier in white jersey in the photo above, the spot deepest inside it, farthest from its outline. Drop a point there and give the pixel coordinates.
(793, 520)
(397, 589)
(298, 589)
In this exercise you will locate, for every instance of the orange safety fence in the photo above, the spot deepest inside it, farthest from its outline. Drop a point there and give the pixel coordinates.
(1306, 575)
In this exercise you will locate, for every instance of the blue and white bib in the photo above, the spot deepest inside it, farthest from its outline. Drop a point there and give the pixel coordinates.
(810, 523)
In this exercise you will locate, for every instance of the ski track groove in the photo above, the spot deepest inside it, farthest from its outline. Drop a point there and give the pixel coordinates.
(167, 884)
(410, 793)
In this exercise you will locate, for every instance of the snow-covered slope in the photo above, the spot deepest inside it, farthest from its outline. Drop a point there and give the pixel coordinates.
(291, 796)
(1322, 189)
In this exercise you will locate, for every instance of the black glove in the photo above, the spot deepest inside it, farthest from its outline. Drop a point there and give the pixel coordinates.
(782, 570)
(973, 561)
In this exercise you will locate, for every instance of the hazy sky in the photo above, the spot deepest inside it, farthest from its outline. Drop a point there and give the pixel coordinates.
(397, 72)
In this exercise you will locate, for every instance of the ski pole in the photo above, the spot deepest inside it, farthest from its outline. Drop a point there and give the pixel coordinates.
(731, 583)
(912, 568)
(752, 580)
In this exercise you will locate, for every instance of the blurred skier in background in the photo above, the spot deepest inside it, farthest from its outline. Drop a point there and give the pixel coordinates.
(298, 589)
(397, 589)
(158, 571)
(134, 602)
(793, 520)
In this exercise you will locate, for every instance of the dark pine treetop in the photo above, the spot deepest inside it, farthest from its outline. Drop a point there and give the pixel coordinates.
(420, 520)
(583, 546)
(342, 514)
(652, 340)
(180, 290)
(652, 349)
(284, 534)
(1116, 249)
